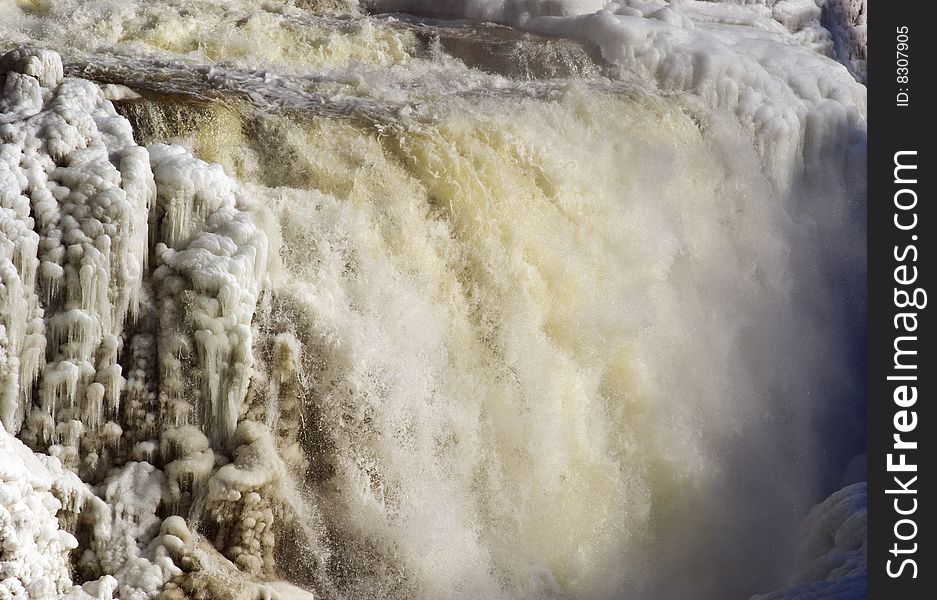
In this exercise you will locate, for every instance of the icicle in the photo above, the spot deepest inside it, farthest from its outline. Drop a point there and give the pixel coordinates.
(93, 409)
(113, 382)
(111, 433)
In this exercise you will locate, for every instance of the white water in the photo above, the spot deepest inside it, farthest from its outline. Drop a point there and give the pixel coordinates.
(468, 314)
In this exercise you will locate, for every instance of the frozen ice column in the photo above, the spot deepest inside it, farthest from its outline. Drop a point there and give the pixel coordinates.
(211, 260)
(75, 191)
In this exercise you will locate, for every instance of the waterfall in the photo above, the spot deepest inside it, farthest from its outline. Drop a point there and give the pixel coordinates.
(494, 299)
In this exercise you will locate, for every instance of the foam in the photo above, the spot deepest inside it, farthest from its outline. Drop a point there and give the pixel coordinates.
(249, 33)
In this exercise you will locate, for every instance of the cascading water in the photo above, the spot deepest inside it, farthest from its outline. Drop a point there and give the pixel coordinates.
(305, 299)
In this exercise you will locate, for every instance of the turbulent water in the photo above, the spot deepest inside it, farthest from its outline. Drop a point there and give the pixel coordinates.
(504, 299)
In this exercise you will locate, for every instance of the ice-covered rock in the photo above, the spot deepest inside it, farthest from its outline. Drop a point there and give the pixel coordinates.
(75, 191)
(832, 559)
(80, 220)
(34, 550)
(847, 21)
(211, 264)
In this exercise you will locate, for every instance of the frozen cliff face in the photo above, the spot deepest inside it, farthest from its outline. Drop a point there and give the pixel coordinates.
(847, 22)
(95, 265)
(79, 200)
(76, 194)
(211, 264)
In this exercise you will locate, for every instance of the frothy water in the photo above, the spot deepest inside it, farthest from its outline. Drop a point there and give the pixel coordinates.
(501, 315)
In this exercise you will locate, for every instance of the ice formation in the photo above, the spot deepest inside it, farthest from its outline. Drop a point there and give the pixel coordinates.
(846, 20)
(33, 548)
(832, 562)
(295, 304)
(79, 199)
(76, 196)
(211, 266)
